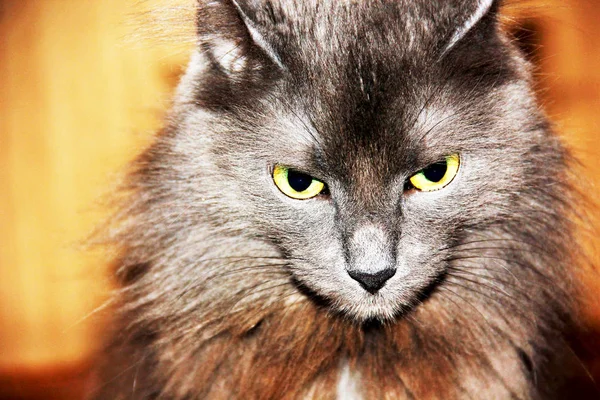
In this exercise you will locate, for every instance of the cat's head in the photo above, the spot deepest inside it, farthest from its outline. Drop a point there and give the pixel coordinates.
(364, 142)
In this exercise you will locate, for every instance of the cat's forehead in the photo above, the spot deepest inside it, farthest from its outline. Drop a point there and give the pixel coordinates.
(365, 78)
(317, 30)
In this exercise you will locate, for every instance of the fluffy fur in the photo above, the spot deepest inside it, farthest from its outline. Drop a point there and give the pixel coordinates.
(229, 289)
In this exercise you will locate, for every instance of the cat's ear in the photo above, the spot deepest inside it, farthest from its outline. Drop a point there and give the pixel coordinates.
(480, 18)
(232, 40)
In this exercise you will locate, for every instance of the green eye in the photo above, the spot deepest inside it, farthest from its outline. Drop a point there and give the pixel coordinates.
(436, 176)
(296, 185)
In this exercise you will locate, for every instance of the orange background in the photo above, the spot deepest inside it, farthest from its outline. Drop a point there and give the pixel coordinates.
(84, 83)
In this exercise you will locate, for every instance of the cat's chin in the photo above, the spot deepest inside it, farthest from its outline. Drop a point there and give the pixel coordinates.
(369, 308)
(362, 308)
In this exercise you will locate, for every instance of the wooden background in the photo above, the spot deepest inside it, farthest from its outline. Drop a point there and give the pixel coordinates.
(84, 83)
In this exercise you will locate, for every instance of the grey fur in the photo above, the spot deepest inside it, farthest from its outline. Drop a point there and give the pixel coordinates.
(360, 95)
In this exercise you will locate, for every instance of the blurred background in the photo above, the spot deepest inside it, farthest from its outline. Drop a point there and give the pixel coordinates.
(84, 84)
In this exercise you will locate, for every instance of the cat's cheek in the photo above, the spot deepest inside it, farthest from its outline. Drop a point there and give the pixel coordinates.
(436, 214)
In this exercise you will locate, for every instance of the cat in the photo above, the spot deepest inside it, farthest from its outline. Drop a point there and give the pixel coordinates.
(351, 200)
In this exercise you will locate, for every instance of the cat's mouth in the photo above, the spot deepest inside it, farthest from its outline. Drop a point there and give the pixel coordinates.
(364, 307)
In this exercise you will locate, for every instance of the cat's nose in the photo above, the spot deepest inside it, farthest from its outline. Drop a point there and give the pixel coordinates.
(372, 282)
(371, 260)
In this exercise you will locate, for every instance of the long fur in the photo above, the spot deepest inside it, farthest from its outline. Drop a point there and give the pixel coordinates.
(230, 290)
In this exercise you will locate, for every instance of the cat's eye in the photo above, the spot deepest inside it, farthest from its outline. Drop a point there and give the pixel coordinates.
(297, 185)
(437, 175)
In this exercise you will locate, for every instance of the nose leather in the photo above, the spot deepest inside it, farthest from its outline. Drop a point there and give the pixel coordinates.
(372, 282)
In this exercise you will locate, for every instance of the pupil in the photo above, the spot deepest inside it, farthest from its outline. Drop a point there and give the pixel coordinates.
(299, 181)
(435, 172)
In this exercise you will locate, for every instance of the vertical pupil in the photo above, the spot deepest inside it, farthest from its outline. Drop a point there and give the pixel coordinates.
(299, 181)
(435, 172)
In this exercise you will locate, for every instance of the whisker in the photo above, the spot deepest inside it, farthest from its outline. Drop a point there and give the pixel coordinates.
(523, 265)
(445, 288)
(96, 310)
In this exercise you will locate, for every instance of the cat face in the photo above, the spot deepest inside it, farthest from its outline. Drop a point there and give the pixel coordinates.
(312, 139)
(368, 219)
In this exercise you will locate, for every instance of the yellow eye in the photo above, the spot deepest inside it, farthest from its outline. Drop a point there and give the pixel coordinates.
(436, 176)
(296, 185)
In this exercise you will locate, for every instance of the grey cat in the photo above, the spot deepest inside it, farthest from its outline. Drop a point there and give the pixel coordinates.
(353, 200)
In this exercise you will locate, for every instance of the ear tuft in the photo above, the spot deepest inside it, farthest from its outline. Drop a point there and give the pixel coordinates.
(227, 54)
(257, 37)
(480, 10)
(231, 39)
